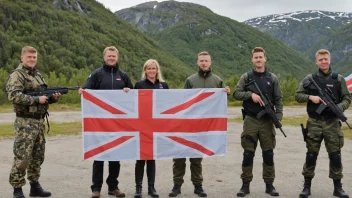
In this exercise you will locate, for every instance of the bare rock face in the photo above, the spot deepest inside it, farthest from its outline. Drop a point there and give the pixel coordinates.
(74, 5)
(154, 17)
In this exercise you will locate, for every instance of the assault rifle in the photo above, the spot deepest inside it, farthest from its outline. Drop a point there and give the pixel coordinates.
(327, 96)
(50, 91)
(267, 108)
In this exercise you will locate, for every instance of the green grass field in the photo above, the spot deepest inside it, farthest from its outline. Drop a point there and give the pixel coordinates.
(70, 128)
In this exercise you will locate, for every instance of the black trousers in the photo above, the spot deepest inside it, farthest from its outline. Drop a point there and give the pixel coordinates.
(139, 171)
(98, 174)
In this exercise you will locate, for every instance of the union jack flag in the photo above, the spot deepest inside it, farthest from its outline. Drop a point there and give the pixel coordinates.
(154, 124)
(349, 82)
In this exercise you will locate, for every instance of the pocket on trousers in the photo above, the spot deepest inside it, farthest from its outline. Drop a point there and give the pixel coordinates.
(341, 139)
(19, 147)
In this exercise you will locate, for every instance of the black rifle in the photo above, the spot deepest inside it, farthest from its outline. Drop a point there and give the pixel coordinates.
(304, 132)
(50, 91)
(267, 108)
(327, 96)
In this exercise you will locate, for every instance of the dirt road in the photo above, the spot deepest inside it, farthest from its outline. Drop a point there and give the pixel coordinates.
(65, 173)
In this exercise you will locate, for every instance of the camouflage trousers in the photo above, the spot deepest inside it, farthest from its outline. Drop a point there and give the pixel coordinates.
(254, 130)
(330, 132)
(28, 149)
(179, 170)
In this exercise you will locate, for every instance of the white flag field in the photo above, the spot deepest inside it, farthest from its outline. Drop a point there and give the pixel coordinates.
(154, 124)
(349, 82)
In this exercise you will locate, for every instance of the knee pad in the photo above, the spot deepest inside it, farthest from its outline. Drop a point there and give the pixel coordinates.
(268, 157)
(311, 159)
(335, 159)
(247, 158)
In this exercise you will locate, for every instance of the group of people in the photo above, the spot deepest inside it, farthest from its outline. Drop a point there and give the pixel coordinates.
(29, 144)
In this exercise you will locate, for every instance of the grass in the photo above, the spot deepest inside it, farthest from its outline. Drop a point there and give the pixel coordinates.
(7, 108)
(70, 128)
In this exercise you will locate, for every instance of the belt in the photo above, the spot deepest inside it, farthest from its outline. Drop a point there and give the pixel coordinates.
(37, 116)
(253, 115)
(322, 117)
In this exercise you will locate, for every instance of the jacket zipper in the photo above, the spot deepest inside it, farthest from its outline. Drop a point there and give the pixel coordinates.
(112, 78)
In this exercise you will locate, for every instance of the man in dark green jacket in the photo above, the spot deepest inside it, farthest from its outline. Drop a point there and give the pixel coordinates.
(261, 129)
(325, 125)
(204, 78)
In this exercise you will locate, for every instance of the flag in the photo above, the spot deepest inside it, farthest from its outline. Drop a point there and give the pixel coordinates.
(154, 124)
(349, 82)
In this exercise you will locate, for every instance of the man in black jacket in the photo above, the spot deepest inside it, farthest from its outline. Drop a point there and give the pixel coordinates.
(107, 77)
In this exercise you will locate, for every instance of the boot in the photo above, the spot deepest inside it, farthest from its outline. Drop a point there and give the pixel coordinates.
(138, 175)
(138, 193)
(151, 191)
(117, 193)
(270, 189)
(175, 190)
(151, 179)
(306, 187)
(96, 194)
(244, 189)
(199, 190)
(338, 191)
(38, 191)
(18, 193)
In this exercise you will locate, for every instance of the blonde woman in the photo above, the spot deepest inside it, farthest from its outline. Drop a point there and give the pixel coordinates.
(151, 79)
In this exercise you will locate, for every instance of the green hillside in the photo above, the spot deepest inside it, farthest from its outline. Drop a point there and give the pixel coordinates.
(184, 29)
(340, 46)
(71, 35)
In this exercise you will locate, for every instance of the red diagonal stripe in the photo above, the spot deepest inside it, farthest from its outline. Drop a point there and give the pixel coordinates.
(106, 146)
(349, 81)
(189, 103)
(101, 103)
(192, 145)
(350, 89)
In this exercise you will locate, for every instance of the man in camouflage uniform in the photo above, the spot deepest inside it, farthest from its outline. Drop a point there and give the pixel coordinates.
(29, 145)
(326, 125)
(258, 129)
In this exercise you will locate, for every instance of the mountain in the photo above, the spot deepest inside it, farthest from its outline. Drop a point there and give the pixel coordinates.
(71, 34)
(301, 30)
(340, 46)
(184, 29)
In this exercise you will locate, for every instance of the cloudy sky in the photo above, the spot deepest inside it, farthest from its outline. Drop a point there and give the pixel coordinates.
(242, 10)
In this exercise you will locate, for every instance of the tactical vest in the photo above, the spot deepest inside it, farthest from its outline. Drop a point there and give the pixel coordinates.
(332, 83)
(265, 84)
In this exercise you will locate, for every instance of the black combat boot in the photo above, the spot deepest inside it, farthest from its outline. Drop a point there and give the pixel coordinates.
(198, 189)
(151, 191)
(244, 189)
(306, 187)
(18, 193)
(138, 193)
(151, 180)
(175, 190)
(338, 191)
(139, 172)
(38, 191)
(270, 189)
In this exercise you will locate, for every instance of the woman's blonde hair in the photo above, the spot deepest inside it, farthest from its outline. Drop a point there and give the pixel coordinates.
(159, 76)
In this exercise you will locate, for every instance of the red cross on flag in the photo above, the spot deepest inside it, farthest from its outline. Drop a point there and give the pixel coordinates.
(154, 124)
(349, 82)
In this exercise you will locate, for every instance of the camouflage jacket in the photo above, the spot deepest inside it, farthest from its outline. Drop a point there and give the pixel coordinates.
(21, 80)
